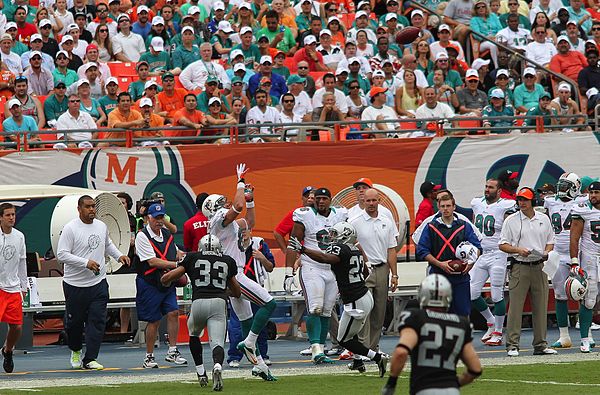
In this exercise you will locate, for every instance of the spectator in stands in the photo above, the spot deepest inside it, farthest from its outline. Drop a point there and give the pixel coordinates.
(211, 90)
(9, 58)
(123, 117)
(40, 79)
(75, 119)
(109, 101)
(279, 67)
(279, 36)
(350, 53)
(378, 111)
(79, 46)
(215, 117)
(153, 121)
(589, 76)
(195, 75)
(355, 101)
(286, 18)
(36, 45)
(221, 41)
(89, 104)
(355, 74)
(246, 17)
(363, 46)
(498, 108)
(142, 26)
(66, 44)
(580, 15)
(60, 14)
(309, 86)
(564, 105)
(417, 19)
(457, 14)
(17, 122)
(84, 34)
(102, 19)
(287, 115)
(328, 111)
(92, 55)
(503, 83)
(361, 23)
(136, 88)
(157, 57)
(527, 94)
(249, 50)
(426, 208)
(544, 110)
(432, 108)
(446, 94)
(263, 114)
(452, 77)
(24, 29)
(471, 100)
(81, 7)
(513, 36)
(338, 31)
(104, 44)
(150, 91)
(127, 46)
(540, 50)
(237, 92)
(96, 83)
(61, 72)
(329, 86)
(409, 62)
(186, 53)
(596, 33)
(488, 25)
(190, 117)
(49, 44)
(567, 61)
(304, 18)
(376, 62)
(310, 54)
(303, 106)
(577, 44)
(17, 46)
(56, 104)
(170, 99)
(195, 227)
(278, 87)
(332, 54)
(440, 46)
(454, 63)
(543, 6)
(482, 67)
(158, 30)
(513, 8)
(30, 105)
(408, 96)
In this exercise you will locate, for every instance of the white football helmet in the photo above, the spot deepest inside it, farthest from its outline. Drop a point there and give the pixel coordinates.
(576, 286)
(568, 186)
(342, 232)
(466, 252)
(212, 204)
(435, 291)
(210, 243)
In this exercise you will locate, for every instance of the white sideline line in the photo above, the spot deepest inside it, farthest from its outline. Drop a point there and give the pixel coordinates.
(540, 382)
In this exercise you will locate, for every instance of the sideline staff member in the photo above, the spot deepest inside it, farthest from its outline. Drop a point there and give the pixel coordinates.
(527, 235)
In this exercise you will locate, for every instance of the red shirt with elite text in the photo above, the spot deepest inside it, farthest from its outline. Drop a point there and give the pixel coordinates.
(194, 229)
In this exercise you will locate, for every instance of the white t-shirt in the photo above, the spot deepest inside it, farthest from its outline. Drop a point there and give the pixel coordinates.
(80, 242)
(256, 117)
(375, 235)
(332, 57)
(132, 45)
(13, 266)
(371, 113)
(441, 110)
(436, 48)
(84, 121)
(541, 53)
(303, 105)
(340, 99)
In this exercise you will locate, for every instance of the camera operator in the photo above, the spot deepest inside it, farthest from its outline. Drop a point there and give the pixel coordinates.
(159, 197)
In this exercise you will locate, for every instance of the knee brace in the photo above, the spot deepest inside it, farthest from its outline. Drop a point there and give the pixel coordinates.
(497, 279)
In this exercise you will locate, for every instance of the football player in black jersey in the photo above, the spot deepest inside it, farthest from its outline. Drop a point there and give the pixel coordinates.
(347, 264)
(211, 273)
(435, 340)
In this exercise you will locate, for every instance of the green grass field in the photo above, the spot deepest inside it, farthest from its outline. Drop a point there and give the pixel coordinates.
(562, 378)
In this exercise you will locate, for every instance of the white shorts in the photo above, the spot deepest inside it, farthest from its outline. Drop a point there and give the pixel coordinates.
(589, 263)
(320, 289)
(561, 275)
(251, 292)
(490, 265)
(354, 316)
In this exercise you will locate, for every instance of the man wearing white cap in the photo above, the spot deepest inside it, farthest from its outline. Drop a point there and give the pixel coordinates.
(278, 85)
(92, 55)
(332, 54)
(249, 49)
(310, 54)
(527, 94)
(153, 120)
(127, 46)
(142, 26)
(579, 14)
(471, 100)
(221, 40)
(40, 79)
(18, 122)
(109, 101)
(444, 35)
(56, 104)
(442, 61)
(157, 58)
(74, 119)
(362, 23)
(186, 53)
(49, 44)
(36, 45)
(79, 46)
(67, 44)
(567, 61)
(17, 47)
(62, 72)
(540, 50)
(576, 42)
(10, 59)
(564, 105)
(498, 108)
(195, 75)
(513, 36)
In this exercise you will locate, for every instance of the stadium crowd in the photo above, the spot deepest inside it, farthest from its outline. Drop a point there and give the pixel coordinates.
(201, 63)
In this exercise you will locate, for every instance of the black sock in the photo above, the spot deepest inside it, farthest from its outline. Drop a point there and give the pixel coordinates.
(196, 350)
(218, 355)
(355, 346)
(377, 357)
(392, 381)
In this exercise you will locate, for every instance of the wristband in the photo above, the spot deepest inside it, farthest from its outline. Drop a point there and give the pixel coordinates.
(250, 204)
(241, 184)
(473, 373)
(234, 210)
(575, 261)
(404, 346)
(395, 276)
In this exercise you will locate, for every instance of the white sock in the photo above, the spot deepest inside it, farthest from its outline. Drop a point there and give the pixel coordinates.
(200, 369)
(564, 333)
(590, 335)
(499, 323)
(217, 367)
(315, 349)
(487, 314)
(251, 339)
(322, 346)
(371, 354)
(260, 359)
(149, 354)
(172, 348)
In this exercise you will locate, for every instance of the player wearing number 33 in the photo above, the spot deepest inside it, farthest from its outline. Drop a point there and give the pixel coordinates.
(210, 273)
(438, 246)
(435, 340)
(347, 264)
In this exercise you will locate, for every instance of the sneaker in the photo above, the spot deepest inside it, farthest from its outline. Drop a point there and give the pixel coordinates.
(488, 333)
(249, 352)
(545, 351)
(321, 359)
(149, 362)
(93, 365)
(217, 380)
(585, 345)
(335, 351)
(357, 364)
(594, 326)
(234, 364)
(562, 343)
(267, 361)
(306, 352)
(513, 353)
(382, 364)
(76, 359)
(175, 357)
(202, 379)
(263, 374)
(346, 355)
(8, 364)
(495, 340)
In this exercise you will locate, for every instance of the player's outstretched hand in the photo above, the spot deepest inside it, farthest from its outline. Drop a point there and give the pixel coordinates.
(294, 244)
(241, 170)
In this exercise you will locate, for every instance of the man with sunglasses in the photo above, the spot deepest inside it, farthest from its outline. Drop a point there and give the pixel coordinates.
(56, 104)
(171, 99)
(527, 94)
(540, 50)
(287, 115)
(36, 46)
(17, 122)
(40, 79)
(49, 44)
(75, 119)
(278, 85)
(62, 72)
(471, 99)
(109, 101)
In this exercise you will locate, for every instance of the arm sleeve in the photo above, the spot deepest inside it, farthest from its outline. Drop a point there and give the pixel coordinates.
(143, 248)
(186, 78)
(506, 236)
(49, 112)
(424, 246)
(65, 245)
(117, 47)
(23, 266)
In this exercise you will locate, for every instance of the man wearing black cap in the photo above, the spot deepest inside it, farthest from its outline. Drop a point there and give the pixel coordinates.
(426, 209)
(56, 104)
(508, 183)
(527, 236)
(169, 224)
(196, 227)
(311, 225)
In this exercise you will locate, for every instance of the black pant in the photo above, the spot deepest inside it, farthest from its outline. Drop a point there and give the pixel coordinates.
(86, 309)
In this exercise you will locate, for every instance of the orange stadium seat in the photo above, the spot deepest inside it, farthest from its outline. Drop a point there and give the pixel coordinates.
(291, 64)
(42, 99)
(124, 83)
(122, 69)
(318, 77)
(47, 137)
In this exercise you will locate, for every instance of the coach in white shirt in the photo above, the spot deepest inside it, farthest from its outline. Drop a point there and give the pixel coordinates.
(377, 237)
(127, 46)
(194, 76)
(82, 247)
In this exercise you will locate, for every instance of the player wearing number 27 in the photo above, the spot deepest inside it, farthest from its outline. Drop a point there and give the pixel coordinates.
(435, 340)
(489, 212)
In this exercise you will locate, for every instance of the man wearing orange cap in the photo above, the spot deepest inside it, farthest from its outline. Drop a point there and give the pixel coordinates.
(378, 111)
(527, 236)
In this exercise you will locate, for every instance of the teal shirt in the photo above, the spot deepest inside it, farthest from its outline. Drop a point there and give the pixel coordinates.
(54, 109)
(507, 111)
(107, 104)
(251, 55)
(487, 27)
(162, 61)
(402, 20)
(203, 103)
(225, 44)
(282, 71)
(284, 45)
(509, 97)
(69, 78)
(528, 99)
(538, 112)
(364, 83)
(136, 90)
(176, 41)
(182, 57)
(453, 79)
(19, 48)
(303, 22)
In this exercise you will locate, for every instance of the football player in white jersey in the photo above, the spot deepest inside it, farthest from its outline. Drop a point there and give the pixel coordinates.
(311, 225)
(585, 254)
(559, 208)
(489, 212)
(224, 224)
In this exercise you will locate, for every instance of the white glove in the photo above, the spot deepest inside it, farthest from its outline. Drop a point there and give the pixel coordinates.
(295, 244)
(241, 170)
(290, 279)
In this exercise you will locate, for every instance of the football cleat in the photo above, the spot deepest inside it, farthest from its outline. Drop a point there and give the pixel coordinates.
(562, 343)
(382, 364)
(217, 379)
(357, 364)
(495, 340)
(334, 351)
(488, 333)
(8, 364)
(545, 351)
(175, 357)
(249, 352)
(321, 359)
(202, 379)
(149, 362)
(585, 345)
(346, 355)
(76, 359)
(263, 374)
(234, 364)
